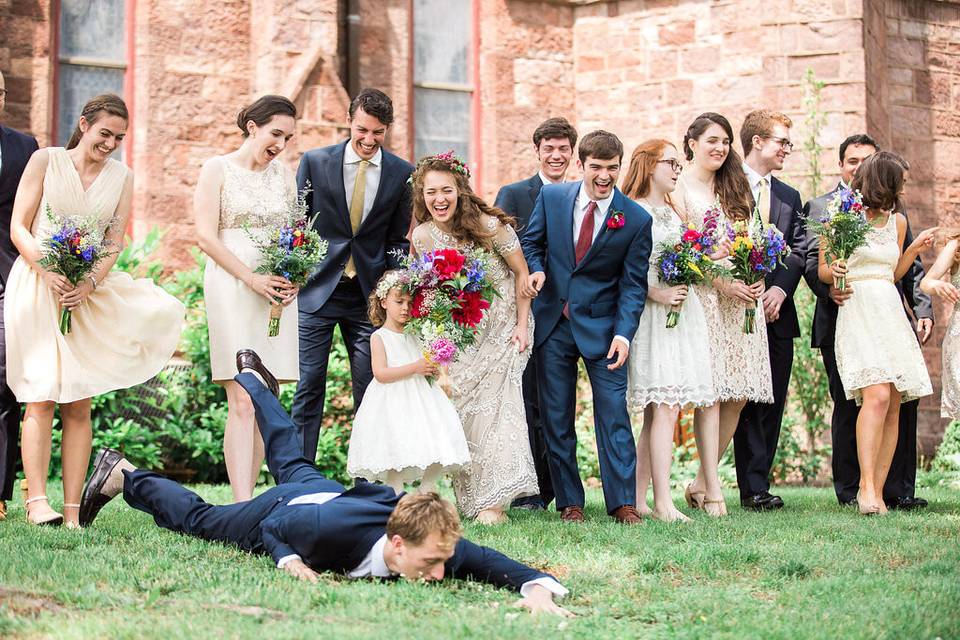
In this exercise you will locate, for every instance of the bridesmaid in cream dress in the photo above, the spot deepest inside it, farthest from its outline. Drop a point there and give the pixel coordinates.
(240, 193)
(123, 330)
(943, 279)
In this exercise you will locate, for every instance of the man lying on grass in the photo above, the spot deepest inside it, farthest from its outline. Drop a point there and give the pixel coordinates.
(308, 523)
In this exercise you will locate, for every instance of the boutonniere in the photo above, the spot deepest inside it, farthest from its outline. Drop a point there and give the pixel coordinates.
(616, 220)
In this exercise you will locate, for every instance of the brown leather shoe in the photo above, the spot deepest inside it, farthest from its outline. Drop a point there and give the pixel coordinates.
(627, 514)
(248, 359)
(571, 514)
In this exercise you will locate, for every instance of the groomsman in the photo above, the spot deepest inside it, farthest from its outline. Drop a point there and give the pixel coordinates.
(15, 149)
(553, 142)
(765, 136)
(359, 193)
(898, 491)
(588, 247)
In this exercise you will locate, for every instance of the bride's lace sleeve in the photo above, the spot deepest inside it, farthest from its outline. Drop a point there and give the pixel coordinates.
(506, 241)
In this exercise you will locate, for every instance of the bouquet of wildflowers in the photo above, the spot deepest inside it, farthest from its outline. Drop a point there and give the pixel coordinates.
(757, 249)
(290, 249)
(450, 294)
(685, 263)
(73, 251)
(842, 228)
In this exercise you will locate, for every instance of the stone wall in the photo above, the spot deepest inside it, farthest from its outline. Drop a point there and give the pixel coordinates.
(26, 64)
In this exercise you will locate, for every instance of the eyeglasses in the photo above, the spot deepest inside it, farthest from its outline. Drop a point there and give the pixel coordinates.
(676, 166)
(783, 142)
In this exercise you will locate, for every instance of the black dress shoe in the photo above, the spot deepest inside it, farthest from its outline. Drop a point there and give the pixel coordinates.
(93, 497)
(906, 503)
(530, 503)
(761, 502)
(847, 502)
(248, 359)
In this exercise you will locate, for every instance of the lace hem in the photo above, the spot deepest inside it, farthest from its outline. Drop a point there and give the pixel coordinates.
(409, 474)
(473, 504)
(683, 397)
(910, 389)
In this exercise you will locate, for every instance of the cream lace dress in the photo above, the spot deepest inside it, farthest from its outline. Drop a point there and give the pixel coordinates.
(950, 371)
(670, 366)
(237, 316)
(486, 381)
(741, 361)
(874, 341)
(121, 335)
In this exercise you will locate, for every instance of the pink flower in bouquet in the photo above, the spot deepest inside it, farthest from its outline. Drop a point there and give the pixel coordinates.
(442, 351)
(447, 263)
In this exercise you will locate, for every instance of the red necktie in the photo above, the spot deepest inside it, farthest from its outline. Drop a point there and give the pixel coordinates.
(585, 238)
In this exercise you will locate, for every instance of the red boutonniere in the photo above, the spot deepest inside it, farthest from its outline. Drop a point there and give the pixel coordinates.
(616, 220)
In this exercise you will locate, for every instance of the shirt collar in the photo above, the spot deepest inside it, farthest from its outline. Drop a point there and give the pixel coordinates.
(350, 156)
(583, 200)
(545, 180)
(753, 177)
(843, 185)
(378, 566)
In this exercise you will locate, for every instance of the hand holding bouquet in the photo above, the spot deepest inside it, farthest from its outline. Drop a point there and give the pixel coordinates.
(757, 249)
(73, 251)
(843, 228)
(291, 249)
(684, 263)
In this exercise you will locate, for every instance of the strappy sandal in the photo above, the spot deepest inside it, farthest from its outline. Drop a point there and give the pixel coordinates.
(692, 498)
(52, 519)
(722, 511)
(72, 525)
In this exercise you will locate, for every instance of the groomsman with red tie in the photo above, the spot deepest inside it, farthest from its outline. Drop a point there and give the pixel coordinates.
(553, 141)
(15, 149)
(898, 490)
(765, 136)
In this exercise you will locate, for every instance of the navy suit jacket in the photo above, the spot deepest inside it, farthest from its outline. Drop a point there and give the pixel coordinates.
(519, 198)
(825, 314)
(337, 536)
(785, 214)
(607, 290)
(15, 150)
(382, 237)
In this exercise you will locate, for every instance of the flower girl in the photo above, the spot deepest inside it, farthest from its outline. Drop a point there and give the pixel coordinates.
(406, 428)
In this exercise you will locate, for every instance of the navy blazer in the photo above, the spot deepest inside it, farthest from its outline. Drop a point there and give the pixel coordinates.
(785, 214)
(337, 536)
(607, 290)
(15, 150)
(519, 198)
(825, 314)
(382, 237)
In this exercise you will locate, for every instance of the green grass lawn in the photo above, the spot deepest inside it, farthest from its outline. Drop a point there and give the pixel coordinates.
(812, 570)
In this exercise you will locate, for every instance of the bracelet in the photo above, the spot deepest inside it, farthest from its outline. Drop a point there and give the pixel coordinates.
(94, 281)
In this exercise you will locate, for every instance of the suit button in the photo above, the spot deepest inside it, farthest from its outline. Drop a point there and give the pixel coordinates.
(280, 499)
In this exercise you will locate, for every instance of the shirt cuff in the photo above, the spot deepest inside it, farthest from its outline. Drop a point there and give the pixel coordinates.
(282, 562)
(622, 339)
(547, 583)
(785, 296)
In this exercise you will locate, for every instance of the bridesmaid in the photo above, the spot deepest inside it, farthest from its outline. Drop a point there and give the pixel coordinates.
(487, 376)
(669, 368)
(741, 361)
(238, 193)
(943, 279)
(123, 330)
(878, 356)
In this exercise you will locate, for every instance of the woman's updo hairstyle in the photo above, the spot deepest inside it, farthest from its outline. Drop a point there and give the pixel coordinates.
(263, 109)
(106, 103)
(879, 179)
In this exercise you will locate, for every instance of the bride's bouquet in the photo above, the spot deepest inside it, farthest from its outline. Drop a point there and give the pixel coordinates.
(450, 294)
(685, 263)
(290, 249)
(73, 250)
(757, 249)
(843, 228)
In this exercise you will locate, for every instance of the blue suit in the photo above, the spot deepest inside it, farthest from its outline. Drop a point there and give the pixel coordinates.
(333, 536)
(605, 294)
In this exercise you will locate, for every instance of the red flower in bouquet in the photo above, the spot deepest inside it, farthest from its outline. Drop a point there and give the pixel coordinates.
(417, 308)
(691, 235)
(447, 263)
(470, 311)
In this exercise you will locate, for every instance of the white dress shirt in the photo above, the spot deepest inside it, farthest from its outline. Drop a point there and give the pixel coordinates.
(545, 180)
(754, 179)
(351, 164)
(373, 565)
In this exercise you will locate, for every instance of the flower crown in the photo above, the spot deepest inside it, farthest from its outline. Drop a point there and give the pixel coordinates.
(453, 161)
(391, 280)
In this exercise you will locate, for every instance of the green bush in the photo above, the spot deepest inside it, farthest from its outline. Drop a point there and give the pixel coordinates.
(948, 453)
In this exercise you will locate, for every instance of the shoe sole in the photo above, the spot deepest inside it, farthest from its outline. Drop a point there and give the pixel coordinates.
(92, 500)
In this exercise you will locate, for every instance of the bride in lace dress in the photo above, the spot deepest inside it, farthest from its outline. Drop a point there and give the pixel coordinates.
(486, 377)
(741, 361)
(943, 280)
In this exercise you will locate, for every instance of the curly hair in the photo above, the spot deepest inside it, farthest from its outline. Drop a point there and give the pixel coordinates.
(730, 182)
(467, 223)
(375, 311)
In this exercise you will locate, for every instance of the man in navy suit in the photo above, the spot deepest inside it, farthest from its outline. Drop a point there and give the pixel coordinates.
(15, 149)
(309, 524)
(588, 247)
(765, 136)
(898, 490)
(553, 141)
(361, 200)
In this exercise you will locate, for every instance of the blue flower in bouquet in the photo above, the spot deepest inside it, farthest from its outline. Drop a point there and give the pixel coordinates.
(88, 254)
(475, 275)
(668, 268)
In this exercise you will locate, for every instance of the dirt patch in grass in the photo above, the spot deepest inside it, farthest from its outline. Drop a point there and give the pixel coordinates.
(22, 603)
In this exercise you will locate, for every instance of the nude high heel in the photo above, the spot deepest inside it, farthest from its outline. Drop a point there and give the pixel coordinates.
(694, 500)
(52, 519)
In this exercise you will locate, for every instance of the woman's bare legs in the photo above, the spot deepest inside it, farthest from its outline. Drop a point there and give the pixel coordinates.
(870, 435)
(660, 445)
(430, 478)
(75, 455)
(888, 444)
(643, 462)
(36, 440)
(242, 443)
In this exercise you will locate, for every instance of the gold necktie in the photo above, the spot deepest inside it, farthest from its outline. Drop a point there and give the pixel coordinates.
(356, 211)
(764, 202)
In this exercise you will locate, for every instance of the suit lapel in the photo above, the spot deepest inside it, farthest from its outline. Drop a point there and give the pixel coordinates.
(335, 180)
(386, 165)
(615, 205)
(534, 185)
(567, 227)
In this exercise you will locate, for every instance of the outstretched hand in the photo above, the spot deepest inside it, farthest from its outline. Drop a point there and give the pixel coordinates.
(540, 600)
(298, 568)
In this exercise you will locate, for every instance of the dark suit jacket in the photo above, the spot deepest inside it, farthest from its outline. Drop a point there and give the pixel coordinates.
(825, 314)
(785, 214)
(15, 149)
(607, 290)
(337, 536)
(519, 198)
(382, 237)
